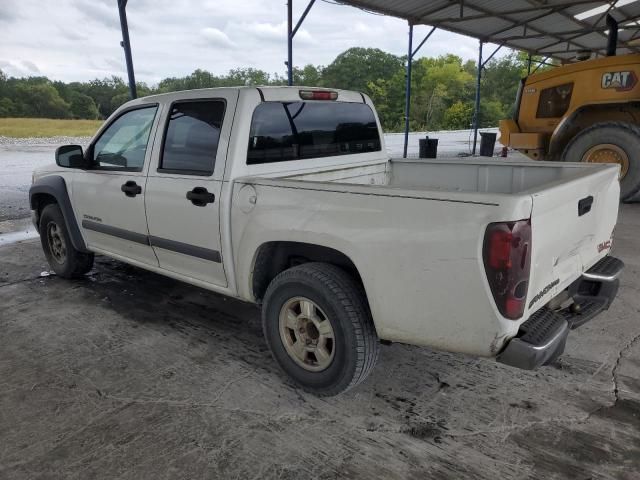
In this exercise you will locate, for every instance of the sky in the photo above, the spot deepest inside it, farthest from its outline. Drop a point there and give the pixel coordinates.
(73, 40)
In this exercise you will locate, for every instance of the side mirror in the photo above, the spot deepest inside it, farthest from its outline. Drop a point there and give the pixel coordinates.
(70, 156)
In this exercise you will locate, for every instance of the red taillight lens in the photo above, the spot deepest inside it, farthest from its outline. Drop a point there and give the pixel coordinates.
(507, 263)
(500, 248)
(318, 95)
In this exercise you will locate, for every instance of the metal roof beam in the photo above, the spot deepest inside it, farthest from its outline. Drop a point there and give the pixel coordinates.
(484, 63)
(543, 62)
(550, 9)
(423, 42)
(535, 10)
(542, 35)
(509, 19)
(302, 17)
(579, 22)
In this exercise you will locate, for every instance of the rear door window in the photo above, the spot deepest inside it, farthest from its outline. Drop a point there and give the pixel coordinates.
(284, 131)
(192, 136)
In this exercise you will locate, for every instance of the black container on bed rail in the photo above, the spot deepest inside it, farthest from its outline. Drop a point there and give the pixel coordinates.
(428, 147)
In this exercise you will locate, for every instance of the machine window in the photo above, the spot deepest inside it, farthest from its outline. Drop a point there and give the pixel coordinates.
(191, 139)
(283, 131)
(554, 102)
(123, 145)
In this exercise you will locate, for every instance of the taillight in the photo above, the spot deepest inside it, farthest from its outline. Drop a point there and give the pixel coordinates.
(507, 262)
(318, 95)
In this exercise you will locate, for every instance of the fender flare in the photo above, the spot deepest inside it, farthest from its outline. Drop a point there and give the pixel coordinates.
(55, 186)
(556, 141)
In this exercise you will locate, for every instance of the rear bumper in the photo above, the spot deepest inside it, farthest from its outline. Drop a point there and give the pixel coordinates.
(542, 338)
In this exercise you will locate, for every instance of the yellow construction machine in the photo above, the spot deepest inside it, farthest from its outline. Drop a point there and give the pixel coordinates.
(587, 111)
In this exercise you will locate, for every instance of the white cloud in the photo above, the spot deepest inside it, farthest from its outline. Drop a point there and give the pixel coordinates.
(80, 39)
(271, 32)
(98, 12)
(30, 66)
(19, 68)
(217, 37)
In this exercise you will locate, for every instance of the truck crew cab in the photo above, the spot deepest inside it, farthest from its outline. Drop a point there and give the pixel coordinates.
(286, 197)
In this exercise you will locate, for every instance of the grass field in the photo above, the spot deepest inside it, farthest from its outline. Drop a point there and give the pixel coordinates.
(47, 127)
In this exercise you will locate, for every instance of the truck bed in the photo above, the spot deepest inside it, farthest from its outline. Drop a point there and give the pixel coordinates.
(415, 230)
(471, 176)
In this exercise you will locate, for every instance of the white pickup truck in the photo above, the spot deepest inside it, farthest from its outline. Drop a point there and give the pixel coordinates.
(286, 197)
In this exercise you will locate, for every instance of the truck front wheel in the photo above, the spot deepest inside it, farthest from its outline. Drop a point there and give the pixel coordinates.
(610, 142)
(318, 327)
(63, 258)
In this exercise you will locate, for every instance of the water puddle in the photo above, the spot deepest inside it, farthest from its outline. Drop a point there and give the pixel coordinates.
(14, 237)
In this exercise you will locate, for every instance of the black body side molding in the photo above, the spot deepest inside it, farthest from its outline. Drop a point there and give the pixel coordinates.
(164, 243)
(55, 186)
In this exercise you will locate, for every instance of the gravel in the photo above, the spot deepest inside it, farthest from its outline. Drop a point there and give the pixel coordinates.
(46, 141)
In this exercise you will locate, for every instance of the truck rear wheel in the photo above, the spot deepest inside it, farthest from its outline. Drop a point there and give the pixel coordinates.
(62, 256)
(317, 324)
(610, 142)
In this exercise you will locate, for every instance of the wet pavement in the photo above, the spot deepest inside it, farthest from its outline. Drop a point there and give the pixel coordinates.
(16, 165)
(127, 374)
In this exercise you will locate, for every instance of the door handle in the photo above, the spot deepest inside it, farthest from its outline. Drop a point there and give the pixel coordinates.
(199, 196)
(584, 205)
(131, 188)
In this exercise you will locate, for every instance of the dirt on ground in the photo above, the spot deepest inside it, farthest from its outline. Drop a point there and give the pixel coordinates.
(126, 374)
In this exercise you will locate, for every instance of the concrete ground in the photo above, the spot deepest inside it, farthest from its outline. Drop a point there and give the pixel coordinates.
(127, 375)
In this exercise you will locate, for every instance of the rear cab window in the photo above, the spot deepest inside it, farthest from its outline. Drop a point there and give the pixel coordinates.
(285, 131)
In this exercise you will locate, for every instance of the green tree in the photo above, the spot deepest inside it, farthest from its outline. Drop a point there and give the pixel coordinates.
(443, 88)
(118, 100)
(309, 76)
(102, 91)
(8, 108)
(83, 106)
(458, 116)
(388, 97)
(356, 67)
(246, 76)
(500, 80)
(491, 112)
(437, 84)
(42, 100)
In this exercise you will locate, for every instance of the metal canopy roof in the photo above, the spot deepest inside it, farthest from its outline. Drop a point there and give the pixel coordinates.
(551, 28)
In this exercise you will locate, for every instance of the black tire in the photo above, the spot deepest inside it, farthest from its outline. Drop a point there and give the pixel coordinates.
(624, 135)
(63, 258)
(343, 301)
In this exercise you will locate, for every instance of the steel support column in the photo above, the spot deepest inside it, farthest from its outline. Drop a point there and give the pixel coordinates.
(476, 113)
(290, 42)
(126, 45)
(291, 32)
(407, 96)
(407, 106)
(528, 65)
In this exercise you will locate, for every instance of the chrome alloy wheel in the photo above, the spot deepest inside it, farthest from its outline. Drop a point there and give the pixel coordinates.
(57, 245)
(307, 334)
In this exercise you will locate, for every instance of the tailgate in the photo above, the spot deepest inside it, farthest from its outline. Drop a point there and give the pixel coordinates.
(571, 224)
